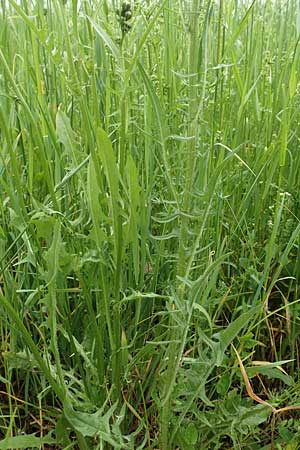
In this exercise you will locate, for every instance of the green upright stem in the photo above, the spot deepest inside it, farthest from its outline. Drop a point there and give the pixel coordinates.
(173, 353)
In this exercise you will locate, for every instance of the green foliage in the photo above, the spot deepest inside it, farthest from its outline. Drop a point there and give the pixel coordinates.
(25, 441)
(149, 222)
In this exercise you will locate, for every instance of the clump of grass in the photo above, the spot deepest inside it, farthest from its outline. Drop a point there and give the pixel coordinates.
(149, 227)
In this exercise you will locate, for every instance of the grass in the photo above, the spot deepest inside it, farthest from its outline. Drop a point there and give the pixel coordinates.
(149, 226)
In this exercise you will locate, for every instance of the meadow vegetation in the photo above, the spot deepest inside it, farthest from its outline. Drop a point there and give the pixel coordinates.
(149, 224)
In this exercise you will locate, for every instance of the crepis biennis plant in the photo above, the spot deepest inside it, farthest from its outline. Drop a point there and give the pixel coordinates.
(125, 14)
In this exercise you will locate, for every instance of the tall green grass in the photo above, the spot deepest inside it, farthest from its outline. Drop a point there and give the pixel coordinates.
(149, 224)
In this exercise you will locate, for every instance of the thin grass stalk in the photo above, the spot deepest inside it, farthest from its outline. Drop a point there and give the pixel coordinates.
(43, 156)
